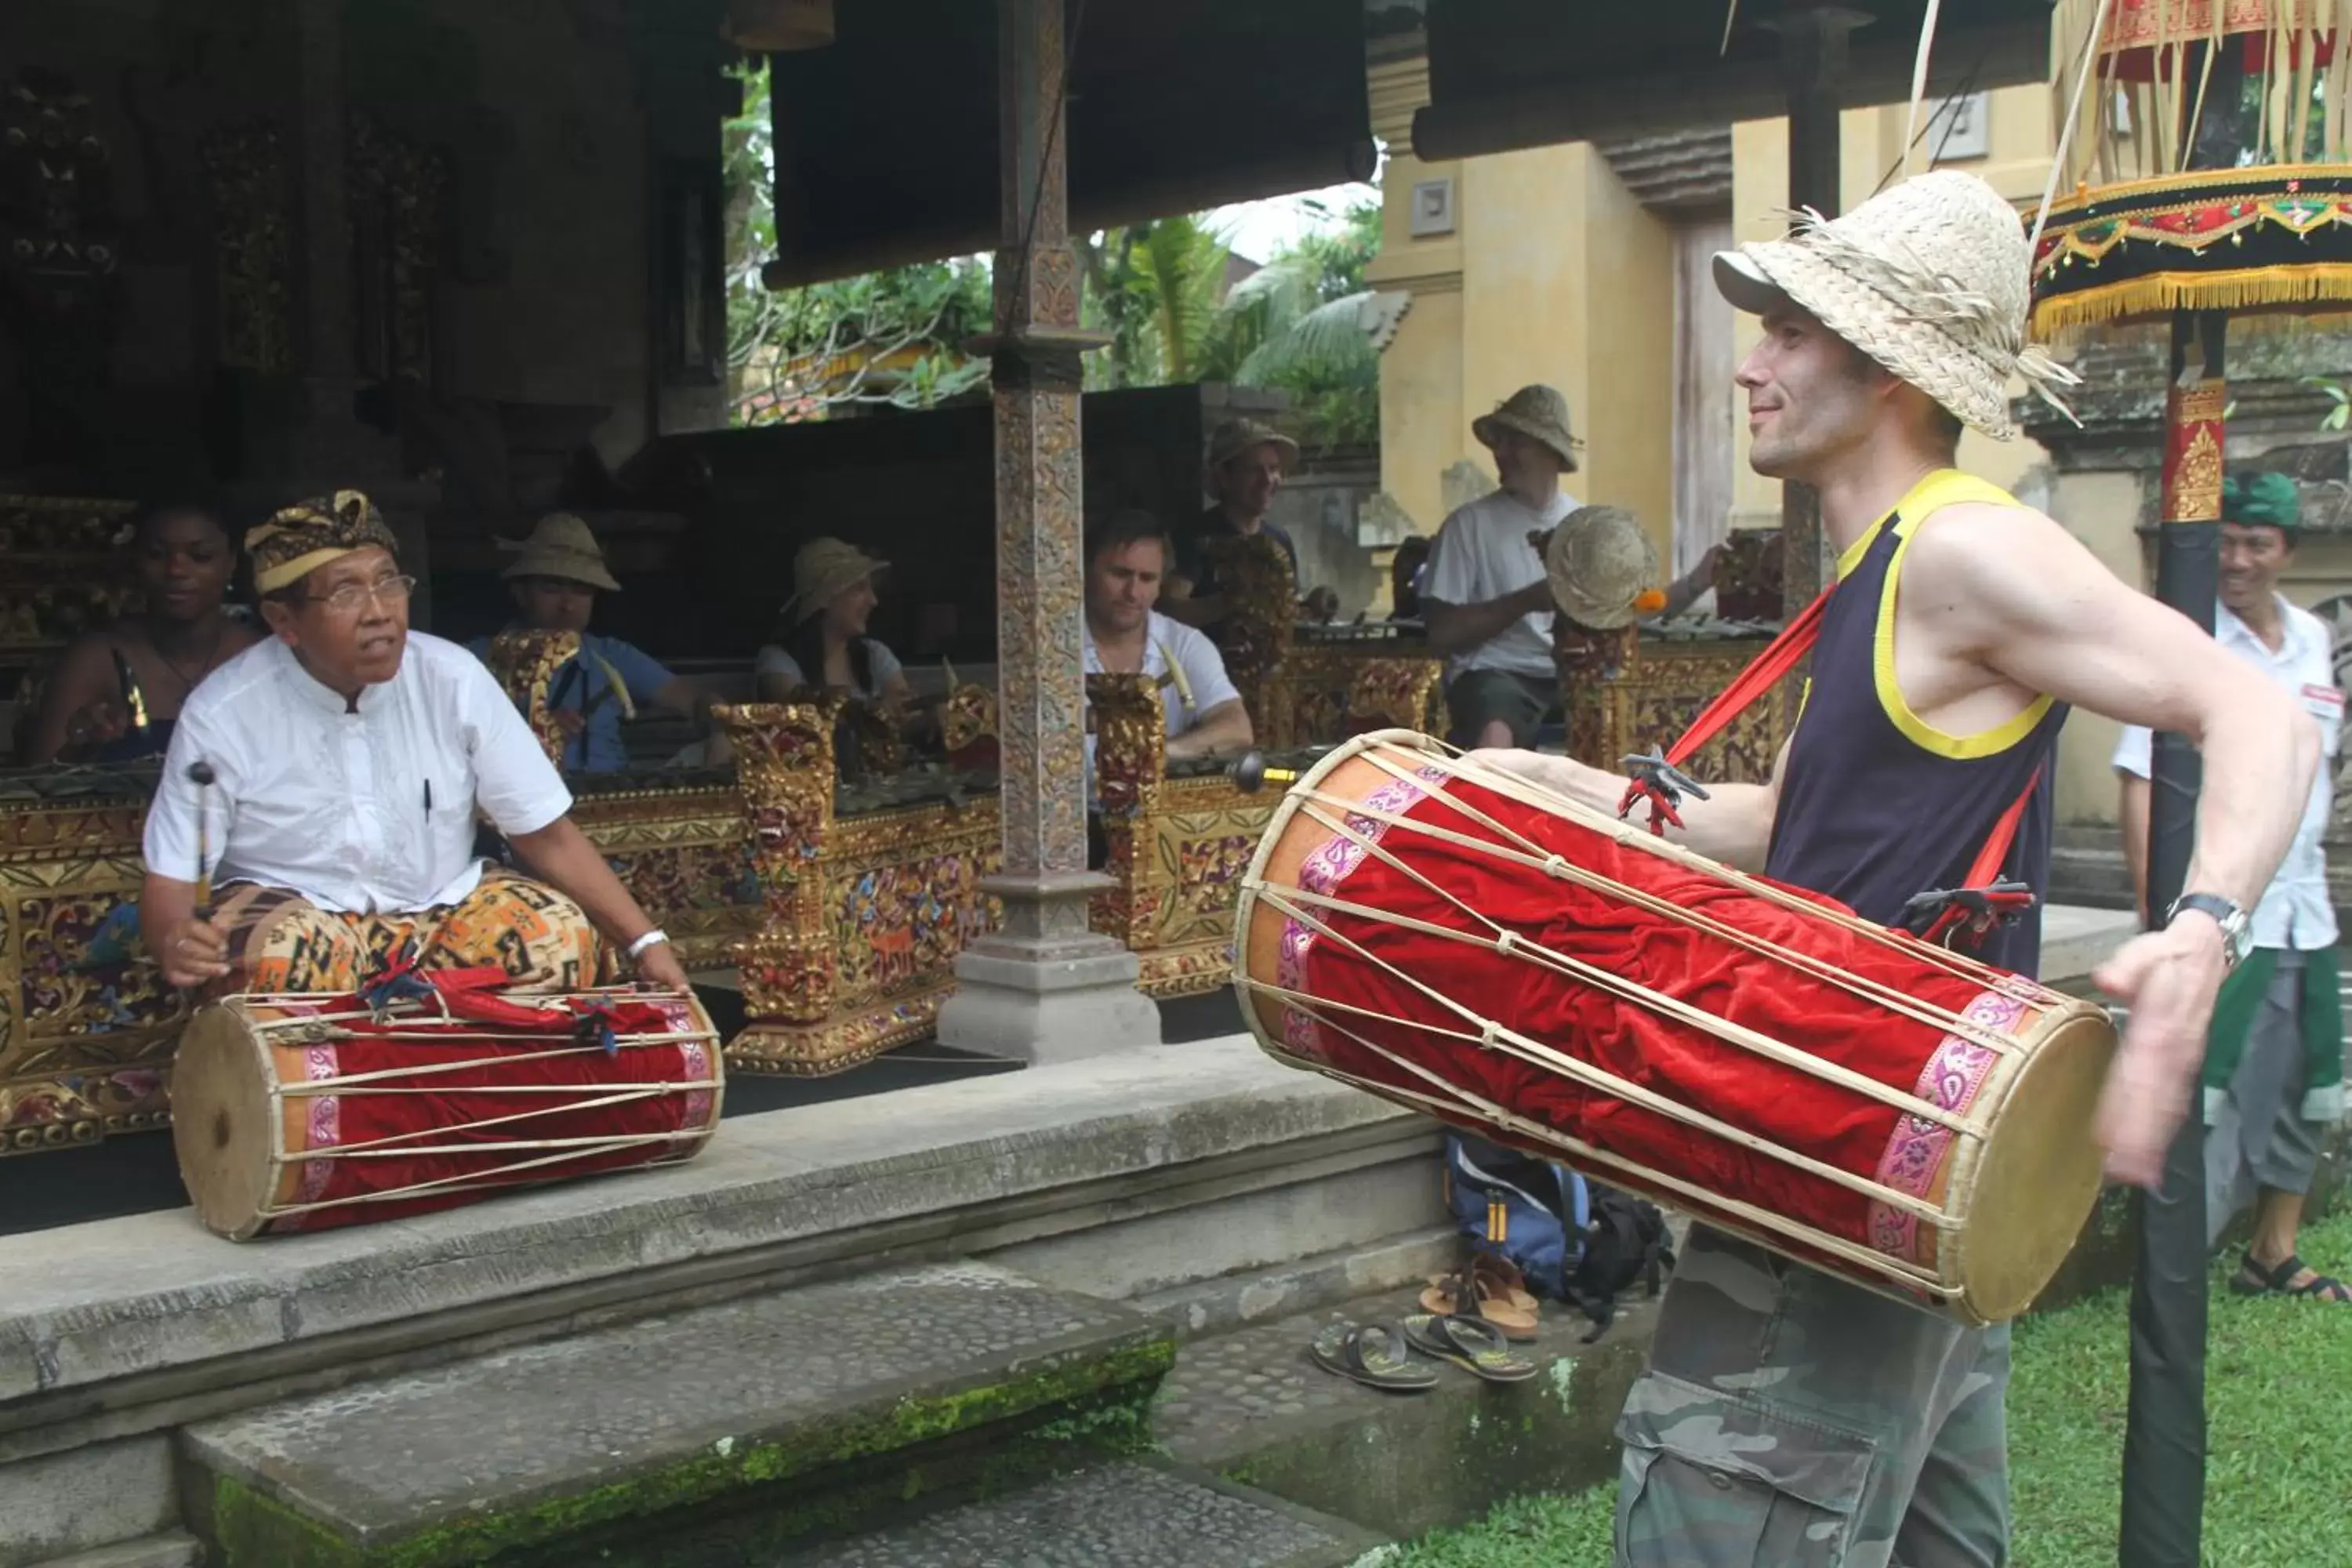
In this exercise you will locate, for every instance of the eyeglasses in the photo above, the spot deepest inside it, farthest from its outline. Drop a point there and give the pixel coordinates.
(389, 592)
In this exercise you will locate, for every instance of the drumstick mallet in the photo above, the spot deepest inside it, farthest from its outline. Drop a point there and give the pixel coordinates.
(1251, 775)
(201, 775)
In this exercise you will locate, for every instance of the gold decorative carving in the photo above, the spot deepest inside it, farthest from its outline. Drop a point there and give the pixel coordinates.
(1657, 693)
(399, 206)
(253, 245)
(525, 663)
(1253, 573)
(865, 912)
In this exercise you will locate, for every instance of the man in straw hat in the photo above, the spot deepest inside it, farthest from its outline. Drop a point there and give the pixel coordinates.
(1788, 1417)
(1245, 464)
(555, 577)
(2273, 1077)
(327, 782)
(1484, 598)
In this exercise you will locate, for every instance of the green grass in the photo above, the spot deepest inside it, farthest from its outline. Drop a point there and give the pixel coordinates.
(2277, 1472)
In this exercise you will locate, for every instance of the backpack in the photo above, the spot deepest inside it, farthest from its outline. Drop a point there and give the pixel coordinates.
(1573, 1240)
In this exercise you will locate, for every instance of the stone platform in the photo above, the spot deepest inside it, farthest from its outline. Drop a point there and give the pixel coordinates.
(1253, 1406)
(785, 1392)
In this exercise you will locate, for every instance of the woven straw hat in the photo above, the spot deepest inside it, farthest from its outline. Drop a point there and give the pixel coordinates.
(1929, 278)
(1537, 411)
(1234, 436)
(1599, 563)
(822, 568)
(561, 545)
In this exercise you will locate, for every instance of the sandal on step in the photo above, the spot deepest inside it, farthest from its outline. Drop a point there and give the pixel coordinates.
(1472, 1294)
(1469, 1343)
(1371, 1355)
(2253, 1279)
(1503, 1279)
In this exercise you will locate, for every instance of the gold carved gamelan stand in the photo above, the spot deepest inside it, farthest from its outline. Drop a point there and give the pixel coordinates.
(1179, 845)
(865, 912)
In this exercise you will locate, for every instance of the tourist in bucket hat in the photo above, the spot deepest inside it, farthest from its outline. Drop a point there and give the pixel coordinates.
(557, 571)
(1245, 465)
(1484, 598)
(821, 640)
(1929, 735)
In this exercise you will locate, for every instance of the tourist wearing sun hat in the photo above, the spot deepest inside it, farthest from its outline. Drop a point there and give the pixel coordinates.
(554, 578)
(1485, 597)
(822, 641)
(1245, 465)
(1932, 716)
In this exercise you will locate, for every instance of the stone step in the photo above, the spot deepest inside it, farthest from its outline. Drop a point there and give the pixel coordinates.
(1252, 1407)
(176, 1549)
(1133, 1514)
(947, 1372)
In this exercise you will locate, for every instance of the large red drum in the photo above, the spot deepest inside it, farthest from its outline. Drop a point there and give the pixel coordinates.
(299, 1112)
(1457, 940)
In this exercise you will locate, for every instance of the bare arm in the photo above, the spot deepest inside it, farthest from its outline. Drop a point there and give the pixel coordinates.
(1178, 604)
(2012, 591)
(1458, 628)
(1733, 824)
(561, 854)
(1224, 728)
(2134, 825)
(82, 678)
(191, 952)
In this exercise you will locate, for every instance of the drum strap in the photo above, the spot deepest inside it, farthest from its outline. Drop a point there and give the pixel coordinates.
(1967, 914)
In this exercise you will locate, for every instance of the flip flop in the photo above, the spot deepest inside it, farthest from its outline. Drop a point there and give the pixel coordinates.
(1469, 1343)
(1373, 1355)
(1481, 1296)
(1505, 1279)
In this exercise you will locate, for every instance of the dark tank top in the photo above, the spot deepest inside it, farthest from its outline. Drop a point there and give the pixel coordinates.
(1875, 804)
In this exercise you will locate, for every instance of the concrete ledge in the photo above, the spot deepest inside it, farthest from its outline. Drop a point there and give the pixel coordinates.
(157, 1312)
(74, 1502)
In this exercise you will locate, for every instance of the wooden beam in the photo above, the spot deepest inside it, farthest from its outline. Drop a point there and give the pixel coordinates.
(1718, 93)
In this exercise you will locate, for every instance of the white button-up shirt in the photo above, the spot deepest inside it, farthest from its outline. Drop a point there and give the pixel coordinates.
(2294, 912)
(370, 812)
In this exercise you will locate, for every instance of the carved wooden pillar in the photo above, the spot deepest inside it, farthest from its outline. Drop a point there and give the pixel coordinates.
(1045, 987)
(325, 207)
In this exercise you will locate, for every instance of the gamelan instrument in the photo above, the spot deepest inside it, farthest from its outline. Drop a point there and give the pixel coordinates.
(299, 1112)
(1465, 942)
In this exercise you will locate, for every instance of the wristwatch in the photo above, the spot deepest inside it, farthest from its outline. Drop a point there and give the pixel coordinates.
(2237, 926)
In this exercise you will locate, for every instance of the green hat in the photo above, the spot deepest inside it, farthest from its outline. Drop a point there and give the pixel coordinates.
(2262, 500)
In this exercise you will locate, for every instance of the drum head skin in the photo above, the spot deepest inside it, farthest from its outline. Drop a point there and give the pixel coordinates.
(221, 1108)
(2038, 1175)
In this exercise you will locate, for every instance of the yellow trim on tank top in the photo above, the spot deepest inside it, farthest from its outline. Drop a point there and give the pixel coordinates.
(1945, 487)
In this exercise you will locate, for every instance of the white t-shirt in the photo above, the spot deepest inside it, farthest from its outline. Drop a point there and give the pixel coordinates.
(2295, 913)
(1204, 671)
(1481, 554)
(882, 665)
(334, 805)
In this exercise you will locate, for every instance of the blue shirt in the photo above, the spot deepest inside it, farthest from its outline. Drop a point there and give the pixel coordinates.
(581, 686)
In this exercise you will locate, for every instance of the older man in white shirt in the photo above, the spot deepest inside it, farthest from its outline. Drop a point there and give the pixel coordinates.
(2274, 1064)
(327, 781)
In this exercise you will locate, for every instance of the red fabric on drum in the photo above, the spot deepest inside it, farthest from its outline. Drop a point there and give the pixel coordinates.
(1665, 953)
(484, 1104)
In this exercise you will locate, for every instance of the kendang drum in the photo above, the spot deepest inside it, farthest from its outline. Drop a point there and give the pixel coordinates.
(1463, 942)
(299, 1113)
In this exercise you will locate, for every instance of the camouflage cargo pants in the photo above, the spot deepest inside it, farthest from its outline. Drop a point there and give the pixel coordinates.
(1791, 1420)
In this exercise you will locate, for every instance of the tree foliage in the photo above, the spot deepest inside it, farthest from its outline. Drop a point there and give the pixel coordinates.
(891, 338)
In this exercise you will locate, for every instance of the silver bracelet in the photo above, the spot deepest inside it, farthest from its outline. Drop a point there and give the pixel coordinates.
(637, 948)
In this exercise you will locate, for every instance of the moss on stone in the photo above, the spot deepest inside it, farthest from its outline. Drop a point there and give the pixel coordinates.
(1109, 1390)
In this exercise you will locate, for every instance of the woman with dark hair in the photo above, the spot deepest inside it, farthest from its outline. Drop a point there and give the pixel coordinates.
(825, 643)
(114, 693)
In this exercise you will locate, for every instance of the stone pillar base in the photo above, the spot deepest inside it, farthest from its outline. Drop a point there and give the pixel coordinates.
(1047, 1001)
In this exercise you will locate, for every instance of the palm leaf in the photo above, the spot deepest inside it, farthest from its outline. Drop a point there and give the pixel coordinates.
(1328, 344)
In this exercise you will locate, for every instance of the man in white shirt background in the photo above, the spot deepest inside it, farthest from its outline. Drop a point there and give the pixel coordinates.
(1484, 599)
(1127, 557)
(2273, 1064)
(328, 779)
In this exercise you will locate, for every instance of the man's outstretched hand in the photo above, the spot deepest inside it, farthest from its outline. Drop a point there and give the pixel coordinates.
(2168, 979)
